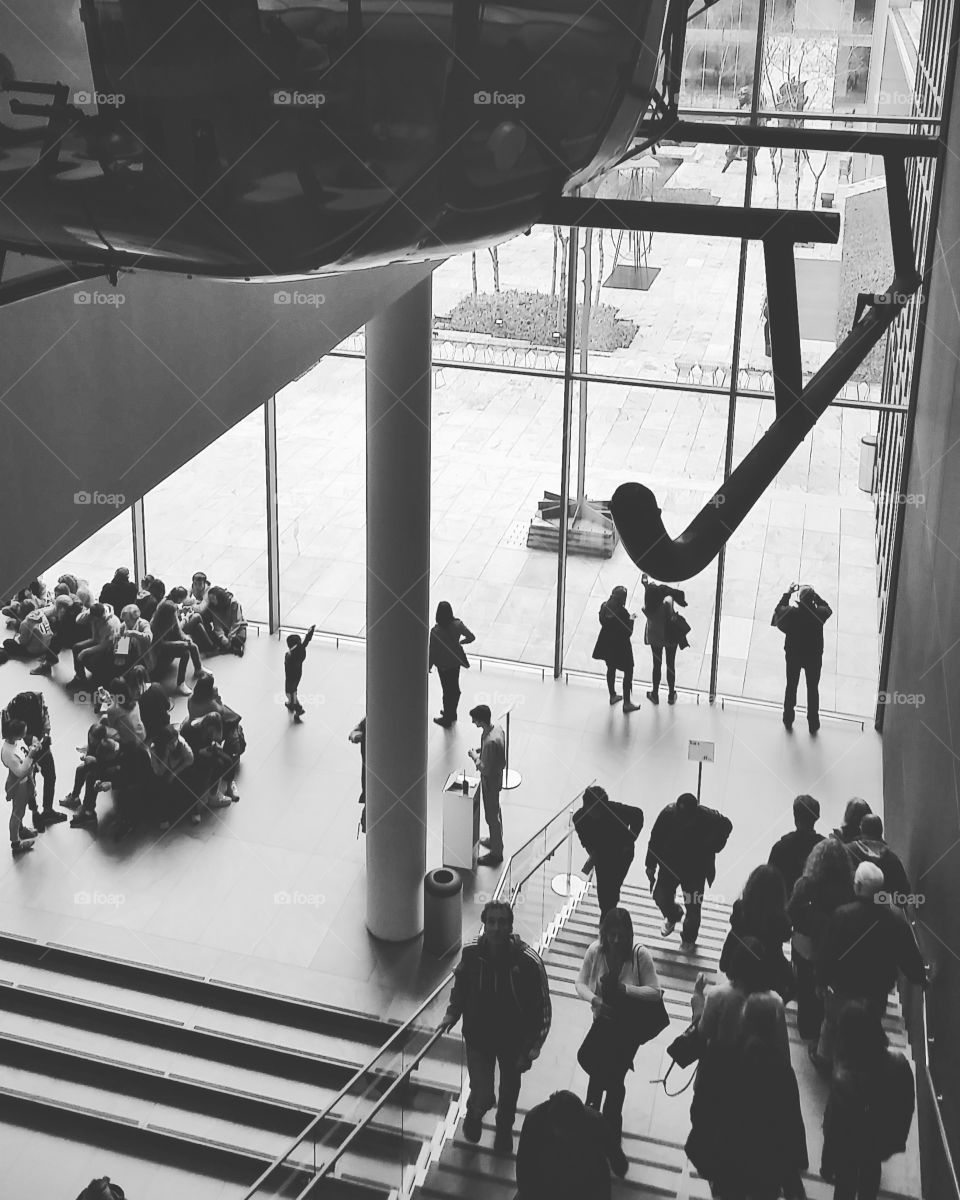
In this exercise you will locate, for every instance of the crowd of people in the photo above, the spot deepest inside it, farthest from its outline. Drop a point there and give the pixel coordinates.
(158, 771)
(837, 900)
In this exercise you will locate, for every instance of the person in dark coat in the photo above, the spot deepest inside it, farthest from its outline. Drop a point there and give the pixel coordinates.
(682, 853)
(608, 832)
(358, 736)
(747, 1135)
(825, 884)
(447, 639)
(790, 853)
(870, 847)
(800, 616)
(865, 945)
(853, 815)
(120, 591)
(870, 1107)
(562, 1152)
(760, 912)
(614, 646)
(661, 635)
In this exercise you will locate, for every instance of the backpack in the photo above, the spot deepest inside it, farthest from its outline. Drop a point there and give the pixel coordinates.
(718, 830)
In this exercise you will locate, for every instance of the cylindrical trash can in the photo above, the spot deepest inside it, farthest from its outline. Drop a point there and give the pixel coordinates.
(868, 462)
(442, 912)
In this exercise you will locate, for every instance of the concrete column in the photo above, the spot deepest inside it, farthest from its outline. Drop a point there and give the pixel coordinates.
(398, 619)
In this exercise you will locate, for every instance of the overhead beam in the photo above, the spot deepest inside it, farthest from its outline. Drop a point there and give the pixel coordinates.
(789, 137)
(719, 221)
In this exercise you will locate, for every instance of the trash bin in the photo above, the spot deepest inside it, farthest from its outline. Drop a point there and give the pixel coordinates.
(868, 462)
(442, 912)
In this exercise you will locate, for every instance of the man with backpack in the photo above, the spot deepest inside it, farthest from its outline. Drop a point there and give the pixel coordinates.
(684, 842)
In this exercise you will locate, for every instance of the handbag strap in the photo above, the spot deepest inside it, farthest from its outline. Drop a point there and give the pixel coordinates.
(679, 1091)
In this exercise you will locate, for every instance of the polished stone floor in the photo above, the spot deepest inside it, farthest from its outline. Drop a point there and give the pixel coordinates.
(216, 898)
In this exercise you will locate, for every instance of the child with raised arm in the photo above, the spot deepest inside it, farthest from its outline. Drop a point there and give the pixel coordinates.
(293, 662)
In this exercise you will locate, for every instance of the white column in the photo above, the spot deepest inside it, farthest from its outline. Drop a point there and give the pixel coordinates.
(398, 366)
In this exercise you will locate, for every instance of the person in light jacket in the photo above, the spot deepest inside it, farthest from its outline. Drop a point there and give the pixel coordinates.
(615, 964)
(447, 639)
(614, 648)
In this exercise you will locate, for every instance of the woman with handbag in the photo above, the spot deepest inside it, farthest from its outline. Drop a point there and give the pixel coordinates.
(613, 646)
(666, 631)
(447, 639)
(619, 981)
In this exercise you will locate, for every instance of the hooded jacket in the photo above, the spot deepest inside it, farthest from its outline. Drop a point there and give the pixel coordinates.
(31, 708)
(528, 996)
(876, 851)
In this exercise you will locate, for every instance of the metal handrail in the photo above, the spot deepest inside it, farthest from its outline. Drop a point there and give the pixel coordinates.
(252, 1191)
(928, 1076)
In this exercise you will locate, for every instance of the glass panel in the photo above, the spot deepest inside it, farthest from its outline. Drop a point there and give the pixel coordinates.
(720, 55)
(505, 305)
(673, 443)
(321, 468)
(829, 278)
(496, 459)
(211, 516)
(813, 525)
(98, 557)
(646, 320)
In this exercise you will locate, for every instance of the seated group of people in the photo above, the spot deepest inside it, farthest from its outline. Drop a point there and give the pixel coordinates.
(126, 626)
(157, 769)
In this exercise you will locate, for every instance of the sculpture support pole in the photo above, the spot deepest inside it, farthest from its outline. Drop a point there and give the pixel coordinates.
(398, 366)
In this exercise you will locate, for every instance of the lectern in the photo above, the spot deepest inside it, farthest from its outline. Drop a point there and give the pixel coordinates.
(461, 821)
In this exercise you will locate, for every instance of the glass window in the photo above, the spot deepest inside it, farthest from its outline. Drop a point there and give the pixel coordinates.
(673, 443)
(813, 525)
(210, 516)
(96, 559)
(493, 550)
(505, 305)
(321, 471)
(719, 56)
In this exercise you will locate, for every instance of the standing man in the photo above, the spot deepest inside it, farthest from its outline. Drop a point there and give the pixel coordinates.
(607, 831)
(684, 843)
(490, 760)
(800, 617)
(501, 991)
(31, 708)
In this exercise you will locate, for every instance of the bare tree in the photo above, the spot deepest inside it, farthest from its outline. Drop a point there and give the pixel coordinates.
(494, 255)
(599, 266)
(553, 276)
(473, 270)
(817, 176)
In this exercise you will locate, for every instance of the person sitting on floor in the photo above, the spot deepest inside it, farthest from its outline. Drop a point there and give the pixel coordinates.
(170, 644)
(155, 705)
(152, 592)
(120, 591)
(134, 640)
(95, 653)
(223, 623)
(171, 761)
(90, 762)
(212, 764)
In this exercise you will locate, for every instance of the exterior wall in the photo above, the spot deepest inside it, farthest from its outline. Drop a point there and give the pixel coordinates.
(107, 391)
(922, 726)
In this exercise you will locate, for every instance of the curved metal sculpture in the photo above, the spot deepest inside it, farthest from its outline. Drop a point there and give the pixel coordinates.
(237, 138)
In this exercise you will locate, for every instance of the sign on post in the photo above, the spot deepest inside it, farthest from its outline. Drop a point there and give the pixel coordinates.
(699, 752)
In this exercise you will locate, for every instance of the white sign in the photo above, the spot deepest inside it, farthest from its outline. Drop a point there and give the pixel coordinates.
(700, 751)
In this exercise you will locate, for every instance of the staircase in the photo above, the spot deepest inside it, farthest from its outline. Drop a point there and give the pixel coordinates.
(163, 1070)
(658, 1164)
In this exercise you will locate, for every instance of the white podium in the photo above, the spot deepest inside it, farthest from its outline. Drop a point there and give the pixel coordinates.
(461, 821)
